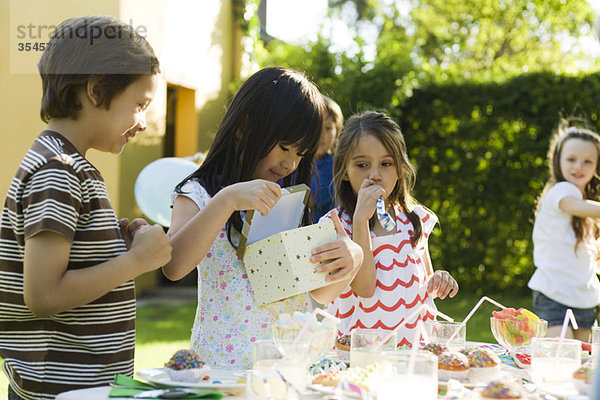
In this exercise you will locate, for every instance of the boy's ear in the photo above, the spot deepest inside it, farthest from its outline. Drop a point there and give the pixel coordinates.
(93, 91)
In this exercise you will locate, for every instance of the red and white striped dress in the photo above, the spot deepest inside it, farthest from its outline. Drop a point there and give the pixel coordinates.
(401, 281)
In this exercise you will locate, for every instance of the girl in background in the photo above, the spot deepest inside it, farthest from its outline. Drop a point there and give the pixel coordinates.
(565, 232)
(271, 129)
(396, 275)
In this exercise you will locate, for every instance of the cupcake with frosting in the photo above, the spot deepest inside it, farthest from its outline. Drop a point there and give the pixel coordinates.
(185, 366)
(582, 379)
(498, 389)
(484, 365)
(435, 348)
(453, 365)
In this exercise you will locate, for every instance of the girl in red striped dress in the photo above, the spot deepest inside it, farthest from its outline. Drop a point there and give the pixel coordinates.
(396, 276)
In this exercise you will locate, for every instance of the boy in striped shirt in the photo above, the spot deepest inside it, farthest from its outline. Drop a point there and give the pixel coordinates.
(67, 300)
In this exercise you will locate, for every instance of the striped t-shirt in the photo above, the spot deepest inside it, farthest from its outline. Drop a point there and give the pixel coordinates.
(56, 189)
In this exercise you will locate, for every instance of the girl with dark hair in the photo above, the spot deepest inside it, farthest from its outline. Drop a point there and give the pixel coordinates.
(566, 230)
(271, 129)
(396, 277)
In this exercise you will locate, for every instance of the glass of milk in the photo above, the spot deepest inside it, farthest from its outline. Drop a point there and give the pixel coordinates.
(275, 376)
(410, 375)
(553, 360)
(595, 344)
(366, 345)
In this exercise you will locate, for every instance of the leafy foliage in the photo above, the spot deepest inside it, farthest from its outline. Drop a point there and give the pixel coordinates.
(477, 87)
(481, 153)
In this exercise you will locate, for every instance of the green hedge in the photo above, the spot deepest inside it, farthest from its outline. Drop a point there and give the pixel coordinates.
(481, 151)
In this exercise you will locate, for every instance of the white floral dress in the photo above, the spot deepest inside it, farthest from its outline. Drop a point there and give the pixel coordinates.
(401, 281)
(227, 320)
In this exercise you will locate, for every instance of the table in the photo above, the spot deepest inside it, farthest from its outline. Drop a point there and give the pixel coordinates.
(101, 393)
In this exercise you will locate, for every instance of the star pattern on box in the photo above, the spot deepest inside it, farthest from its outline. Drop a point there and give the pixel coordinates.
(280, 265)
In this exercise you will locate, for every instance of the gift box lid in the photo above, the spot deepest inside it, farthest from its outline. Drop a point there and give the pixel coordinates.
(286, 214)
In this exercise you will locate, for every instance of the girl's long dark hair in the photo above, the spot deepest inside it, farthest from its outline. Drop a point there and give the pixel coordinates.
(275, 105)
(388, 133)
(574, 128)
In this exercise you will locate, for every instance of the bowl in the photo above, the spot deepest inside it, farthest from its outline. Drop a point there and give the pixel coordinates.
(320, 341)
(511, 333)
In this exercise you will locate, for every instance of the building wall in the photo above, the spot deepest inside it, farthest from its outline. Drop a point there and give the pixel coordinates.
(194, 43)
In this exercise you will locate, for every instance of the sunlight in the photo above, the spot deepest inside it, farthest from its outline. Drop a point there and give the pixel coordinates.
(295, 21)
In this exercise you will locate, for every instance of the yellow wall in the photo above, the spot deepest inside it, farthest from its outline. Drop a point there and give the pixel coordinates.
(194, 42)
(21, 92)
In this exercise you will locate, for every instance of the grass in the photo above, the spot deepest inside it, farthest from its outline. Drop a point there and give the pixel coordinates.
(163, 328)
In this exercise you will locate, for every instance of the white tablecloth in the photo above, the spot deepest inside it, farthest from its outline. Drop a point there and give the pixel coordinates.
(101, 393)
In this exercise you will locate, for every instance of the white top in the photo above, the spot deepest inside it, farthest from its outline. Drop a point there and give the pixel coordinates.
(562, 273)
(228, 321)
(401, 286)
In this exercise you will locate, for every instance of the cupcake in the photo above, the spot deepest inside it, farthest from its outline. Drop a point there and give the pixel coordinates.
(435, 348)
(453, 365)
(343, 343)
(582, 379)
(185, 366)
(484, 365)
(342, 347)
(498, 389)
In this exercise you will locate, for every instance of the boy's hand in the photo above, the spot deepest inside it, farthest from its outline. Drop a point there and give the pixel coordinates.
(442, 284)
(345, 255)
(128, 229)
(151, 246)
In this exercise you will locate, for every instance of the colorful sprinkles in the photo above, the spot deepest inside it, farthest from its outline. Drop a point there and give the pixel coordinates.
(453, 361)
(500, 390)
(185, 359)
(584, 373)
(436, 348)
(482, 358)
(343, 340)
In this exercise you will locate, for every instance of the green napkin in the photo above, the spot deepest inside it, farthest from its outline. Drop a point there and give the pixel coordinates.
(133, 386)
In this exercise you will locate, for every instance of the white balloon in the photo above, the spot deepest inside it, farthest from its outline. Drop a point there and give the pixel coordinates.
(156, 182)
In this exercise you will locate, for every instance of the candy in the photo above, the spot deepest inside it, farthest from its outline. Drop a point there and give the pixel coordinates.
(385, 219)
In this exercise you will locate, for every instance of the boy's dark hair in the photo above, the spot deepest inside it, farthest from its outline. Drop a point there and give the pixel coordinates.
(384, 129)
(95, 47)
(275, 105)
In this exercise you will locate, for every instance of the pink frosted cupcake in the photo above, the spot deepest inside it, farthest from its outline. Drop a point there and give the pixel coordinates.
(185, 366)
(453, 365)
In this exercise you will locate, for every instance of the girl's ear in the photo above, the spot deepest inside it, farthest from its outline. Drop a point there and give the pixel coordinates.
(345, 176)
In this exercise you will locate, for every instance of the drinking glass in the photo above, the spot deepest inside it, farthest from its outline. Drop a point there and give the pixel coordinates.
(595, 344)
(411, 374)
(366, 345)
(553, 360)
(274, 376)
(440, 332)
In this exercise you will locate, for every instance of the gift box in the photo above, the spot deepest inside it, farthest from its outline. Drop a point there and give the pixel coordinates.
(277, 253)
